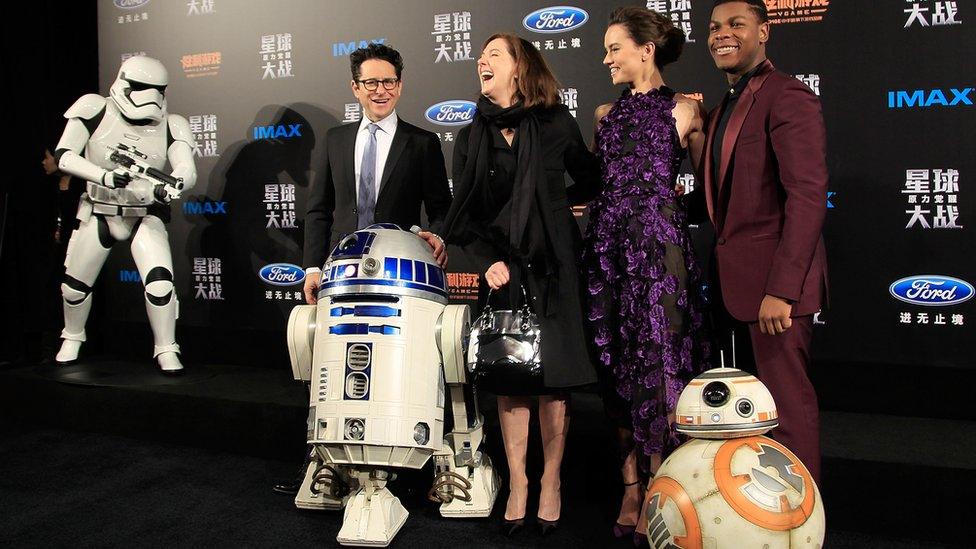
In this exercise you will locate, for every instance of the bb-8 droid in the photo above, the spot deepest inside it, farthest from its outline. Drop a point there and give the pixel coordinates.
(729, 486)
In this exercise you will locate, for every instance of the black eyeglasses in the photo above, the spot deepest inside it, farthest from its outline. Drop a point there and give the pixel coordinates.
(372, 84)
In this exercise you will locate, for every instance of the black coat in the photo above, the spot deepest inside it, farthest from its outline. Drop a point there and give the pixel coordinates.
(565, 356)
(414, 174)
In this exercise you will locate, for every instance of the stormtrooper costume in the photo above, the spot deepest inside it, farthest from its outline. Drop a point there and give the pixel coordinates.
(123, 203)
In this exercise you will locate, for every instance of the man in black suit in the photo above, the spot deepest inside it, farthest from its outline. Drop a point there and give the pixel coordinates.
(379, 171)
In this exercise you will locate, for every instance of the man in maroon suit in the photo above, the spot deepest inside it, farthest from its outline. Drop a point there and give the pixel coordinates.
(765, 180)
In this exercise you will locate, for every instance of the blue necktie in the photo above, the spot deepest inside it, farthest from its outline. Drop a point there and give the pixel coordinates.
(367, 180)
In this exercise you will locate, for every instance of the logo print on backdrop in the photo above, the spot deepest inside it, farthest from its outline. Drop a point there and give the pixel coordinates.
(200, 7)
(282, 274)
(932, 190)
(279, 203)
(275, 53)
(128, 275)
(555, 19)
(452, 29)
(906, 99)
(680, 12)
(942, 13)
(463, 286)
(457, 112)
(204, 129)
(207, 273)
(201, 64)
(281, 131)
(342, 49)
(204, 207)
(931, 290)
(811, 80)
(570, 97)
(796, 11)
(130, 4)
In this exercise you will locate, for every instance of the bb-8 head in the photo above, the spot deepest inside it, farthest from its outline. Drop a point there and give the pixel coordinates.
(725, 403)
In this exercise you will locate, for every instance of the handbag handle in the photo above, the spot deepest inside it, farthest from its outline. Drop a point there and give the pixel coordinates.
(524, 312)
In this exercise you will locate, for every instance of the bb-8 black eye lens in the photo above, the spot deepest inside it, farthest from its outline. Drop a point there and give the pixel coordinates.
(716, 394)
(744, 407)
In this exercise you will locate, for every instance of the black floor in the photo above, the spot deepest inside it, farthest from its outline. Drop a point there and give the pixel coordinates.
(192, 463)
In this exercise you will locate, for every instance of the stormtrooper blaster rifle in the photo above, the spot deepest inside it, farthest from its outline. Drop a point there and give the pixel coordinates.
(133, 162)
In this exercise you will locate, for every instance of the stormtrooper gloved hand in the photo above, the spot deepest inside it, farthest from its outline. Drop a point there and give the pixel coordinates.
(116, 180)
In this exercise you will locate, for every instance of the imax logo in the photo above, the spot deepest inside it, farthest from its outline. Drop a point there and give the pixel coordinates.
(451, 113)
(555, 19)
(129, 276)
(342, 49)
(205, 207)
(278, 132)
(929, 98)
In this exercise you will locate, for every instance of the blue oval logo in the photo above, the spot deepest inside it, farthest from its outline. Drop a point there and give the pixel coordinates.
(932, 290)
(555, 19)
(130, 4)
(282, 274)
(451, 113)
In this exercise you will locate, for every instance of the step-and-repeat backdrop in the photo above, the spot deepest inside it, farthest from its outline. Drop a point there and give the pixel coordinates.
(262, 81)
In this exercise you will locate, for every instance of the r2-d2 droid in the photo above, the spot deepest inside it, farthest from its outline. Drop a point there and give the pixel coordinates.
(380, 350)
(729, 486)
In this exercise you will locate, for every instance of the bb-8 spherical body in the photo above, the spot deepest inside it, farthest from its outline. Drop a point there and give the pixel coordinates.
(729, 486)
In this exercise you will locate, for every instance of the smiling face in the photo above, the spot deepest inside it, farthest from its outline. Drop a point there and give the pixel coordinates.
(496, 70)
(736, 38)
(626, 59)
(377, 104)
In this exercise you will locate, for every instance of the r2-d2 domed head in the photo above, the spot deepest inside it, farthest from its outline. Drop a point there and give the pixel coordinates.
(725, 403)
(139, 91)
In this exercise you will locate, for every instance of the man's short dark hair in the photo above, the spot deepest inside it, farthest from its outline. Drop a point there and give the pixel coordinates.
(375, 51)
(758, 7)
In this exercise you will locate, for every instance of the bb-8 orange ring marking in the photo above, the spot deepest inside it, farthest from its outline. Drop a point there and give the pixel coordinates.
(730, 487)
(670, 488)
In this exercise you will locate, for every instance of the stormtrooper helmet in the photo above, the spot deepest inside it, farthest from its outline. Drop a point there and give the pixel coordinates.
(140, 89)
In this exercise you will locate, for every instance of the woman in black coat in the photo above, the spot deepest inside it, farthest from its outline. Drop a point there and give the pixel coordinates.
(511, 213)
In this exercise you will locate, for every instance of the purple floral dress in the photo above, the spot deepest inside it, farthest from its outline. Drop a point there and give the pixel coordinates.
(642, 278)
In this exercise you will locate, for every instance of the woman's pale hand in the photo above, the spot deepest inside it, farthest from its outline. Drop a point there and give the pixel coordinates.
(497, 275)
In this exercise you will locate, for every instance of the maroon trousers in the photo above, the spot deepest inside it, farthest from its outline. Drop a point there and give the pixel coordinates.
(782, 361)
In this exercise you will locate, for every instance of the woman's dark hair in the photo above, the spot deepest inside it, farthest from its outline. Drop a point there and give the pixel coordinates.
(758, 7)
(535, 85)
(375, 51)
(647, 26)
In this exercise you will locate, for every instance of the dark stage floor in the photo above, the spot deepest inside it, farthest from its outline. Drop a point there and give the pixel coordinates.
(192, 463)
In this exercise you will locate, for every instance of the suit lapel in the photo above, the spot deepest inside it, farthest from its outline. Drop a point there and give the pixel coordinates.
(737, 118)
(400, 139)
(709, 165)
(348, 156)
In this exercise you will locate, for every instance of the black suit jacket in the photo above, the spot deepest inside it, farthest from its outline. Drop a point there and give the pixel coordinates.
(414, 174)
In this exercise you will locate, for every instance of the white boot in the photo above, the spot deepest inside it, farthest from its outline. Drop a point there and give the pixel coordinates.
(69, 351)
(169, 362)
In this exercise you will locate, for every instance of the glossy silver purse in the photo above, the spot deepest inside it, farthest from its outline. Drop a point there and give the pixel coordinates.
(506, 344)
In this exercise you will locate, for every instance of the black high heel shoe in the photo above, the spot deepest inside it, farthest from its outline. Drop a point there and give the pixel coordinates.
(621, 531)
(511, 527)
(547, 527)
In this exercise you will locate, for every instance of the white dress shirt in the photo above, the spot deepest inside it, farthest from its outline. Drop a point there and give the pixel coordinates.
(384, 139)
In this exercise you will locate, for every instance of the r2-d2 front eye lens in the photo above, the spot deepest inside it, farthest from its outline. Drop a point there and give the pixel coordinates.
(716, 394)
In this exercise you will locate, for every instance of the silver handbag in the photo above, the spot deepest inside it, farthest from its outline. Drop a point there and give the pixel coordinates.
(505, 345)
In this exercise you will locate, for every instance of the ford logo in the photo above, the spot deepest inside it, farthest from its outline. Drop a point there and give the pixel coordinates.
(130, 4)
(555, 19)
(451, 113)
(282, 274)
(932, 290)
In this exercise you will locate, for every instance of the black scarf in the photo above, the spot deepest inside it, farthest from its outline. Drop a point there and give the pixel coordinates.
(524, 225)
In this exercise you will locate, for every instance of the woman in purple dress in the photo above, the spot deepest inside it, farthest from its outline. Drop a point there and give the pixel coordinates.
(641, 274)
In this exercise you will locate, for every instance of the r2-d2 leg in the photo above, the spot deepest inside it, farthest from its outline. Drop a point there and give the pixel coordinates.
(465, 483)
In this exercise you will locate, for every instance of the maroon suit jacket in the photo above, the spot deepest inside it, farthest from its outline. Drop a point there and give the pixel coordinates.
(769, 202)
